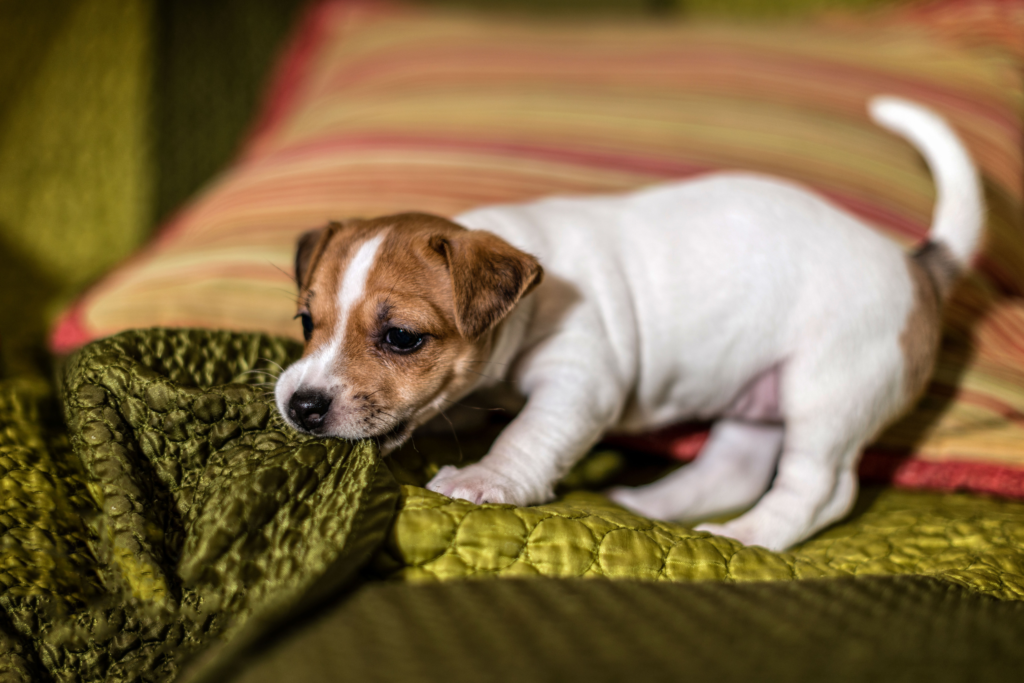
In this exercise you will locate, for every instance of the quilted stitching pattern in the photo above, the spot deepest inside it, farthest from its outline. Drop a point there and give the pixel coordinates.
(974, 542)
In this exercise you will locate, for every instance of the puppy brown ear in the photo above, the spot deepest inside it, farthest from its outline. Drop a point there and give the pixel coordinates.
(489, 276)
(311, 245)
(304, 254)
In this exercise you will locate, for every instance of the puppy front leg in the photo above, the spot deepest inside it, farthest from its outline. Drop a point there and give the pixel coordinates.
(554, 430)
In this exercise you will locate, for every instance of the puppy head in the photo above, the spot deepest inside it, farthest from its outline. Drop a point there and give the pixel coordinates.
(398, 314)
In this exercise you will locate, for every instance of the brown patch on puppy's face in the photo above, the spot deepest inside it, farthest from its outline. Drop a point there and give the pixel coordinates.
(401, 312)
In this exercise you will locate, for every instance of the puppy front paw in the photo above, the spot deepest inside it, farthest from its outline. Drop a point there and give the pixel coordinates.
(480, 485)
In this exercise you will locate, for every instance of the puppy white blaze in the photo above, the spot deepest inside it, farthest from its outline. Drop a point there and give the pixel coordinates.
(353, 286)
(317, 368)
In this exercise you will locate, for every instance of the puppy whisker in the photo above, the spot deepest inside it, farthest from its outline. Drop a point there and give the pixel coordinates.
(284, 272)
(275, 364)
(458, 445)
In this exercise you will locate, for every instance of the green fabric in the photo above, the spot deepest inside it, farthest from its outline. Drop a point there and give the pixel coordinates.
(177, 520)
(967, 540)
(112, 113)
(177, 515)
(186, 519)
(861, 630)
(213, 60)
(75, 165)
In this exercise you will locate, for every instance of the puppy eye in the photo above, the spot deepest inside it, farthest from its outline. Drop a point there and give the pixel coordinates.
(307, 325)
(403, 341)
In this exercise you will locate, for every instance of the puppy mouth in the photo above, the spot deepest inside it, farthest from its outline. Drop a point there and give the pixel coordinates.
(389, 438)
(389, 431)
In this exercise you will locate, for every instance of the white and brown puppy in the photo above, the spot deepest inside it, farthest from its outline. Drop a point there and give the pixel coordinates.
(734, 297)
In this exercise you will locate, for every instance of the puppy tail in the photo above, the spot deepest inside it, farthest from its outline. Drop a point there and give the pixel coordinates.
(960, 209)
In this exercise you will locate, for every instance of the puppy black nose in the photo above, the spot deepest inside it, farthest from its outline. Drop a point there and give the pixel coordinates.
(309, 408)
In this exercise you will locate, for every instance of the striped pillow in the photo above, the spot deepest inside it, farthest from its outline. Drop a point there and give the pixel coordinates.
(379, 109)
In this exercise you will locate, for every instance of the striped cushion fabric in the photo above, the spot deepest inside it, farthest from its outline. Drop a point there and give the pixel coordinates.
(379, 109)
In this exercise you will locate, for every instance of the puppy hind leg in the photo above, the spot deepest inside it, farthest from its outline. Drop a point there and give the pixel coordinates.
(813, 488)
(731, 472)
(835, 399)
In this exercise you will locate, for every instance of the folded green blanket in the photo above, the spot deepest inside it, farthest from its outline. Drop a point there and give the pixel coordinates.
(186, 516)
(966, 540)
(175, 519)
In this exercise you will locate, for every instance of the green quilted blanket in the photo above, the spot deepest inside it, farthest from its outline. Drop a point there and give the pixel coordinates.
(966, 540)
(174, 520)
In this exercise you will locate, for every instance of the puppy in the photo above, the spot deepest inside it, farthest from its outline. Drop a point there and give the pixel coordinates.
(731, 296)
